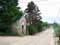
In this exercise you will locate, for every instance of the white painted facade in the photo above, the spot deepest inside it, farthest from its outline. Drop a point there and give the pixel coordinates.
(20, 26)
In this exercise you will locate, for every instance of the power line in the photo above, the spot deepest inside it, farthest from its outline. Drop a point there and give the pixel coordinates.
(57, 15)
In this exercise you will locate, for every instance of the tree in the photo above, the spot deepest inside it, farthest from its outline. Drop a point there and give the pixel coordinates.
(33, 16)
(9, 12)
(33, 13)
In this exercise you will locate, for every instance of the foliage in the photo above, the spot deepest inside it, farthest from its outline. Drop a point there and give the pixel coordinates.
(56, 29)
(33, 13)
(45, 25)
(9, 13)
(32, 30)
(33, 18)
(8, 34)
(35, 28)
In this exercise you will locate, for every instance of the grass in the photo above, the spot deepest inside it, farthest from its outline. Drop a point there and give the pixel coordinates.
(57, 32)
(8, 34)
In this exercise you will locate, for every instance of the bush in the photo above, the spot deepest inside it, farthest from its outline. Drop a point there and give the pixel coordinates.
(56, 29)
(32, 30)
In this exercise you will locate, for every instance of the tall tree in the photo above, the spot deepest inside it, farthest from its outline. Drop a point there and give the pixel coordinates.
(9, 12)
(33, 15)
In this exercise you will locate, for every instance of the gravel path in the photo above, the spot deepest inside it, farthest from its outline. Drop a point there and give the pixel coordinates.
(43, 38)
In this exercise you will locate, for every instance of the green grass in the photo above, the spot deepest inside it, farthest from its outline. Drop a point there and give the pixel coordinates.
(57, 31)
(8, 34)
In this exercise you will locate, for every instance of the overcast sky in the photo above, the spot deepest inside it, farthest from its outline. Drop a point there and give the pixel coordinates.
(49, 9)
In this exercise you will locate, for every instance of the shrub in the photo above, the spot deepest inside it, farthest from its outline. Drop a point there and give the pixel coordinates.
(32, 30)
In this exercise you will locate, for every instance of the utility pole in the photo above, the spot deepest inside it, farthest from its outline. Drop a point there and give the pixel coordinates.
(57, 15)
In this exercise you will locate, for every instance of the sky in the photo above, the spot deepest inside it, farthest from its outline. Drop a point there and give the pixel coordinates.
(50, 9)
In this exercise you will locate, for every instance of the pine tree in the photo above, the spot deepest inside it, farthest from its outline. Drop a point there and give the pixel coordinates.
(9, 12)
(33, 13)
(33, 17)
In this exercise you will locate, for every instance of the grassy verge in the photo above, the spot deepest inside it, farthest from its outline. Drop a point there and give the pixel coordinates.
(8, 34)
(57, 32)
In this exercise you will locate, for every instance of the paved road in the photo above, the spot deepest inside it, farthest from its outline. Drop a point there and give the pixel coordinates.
(43, 38)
